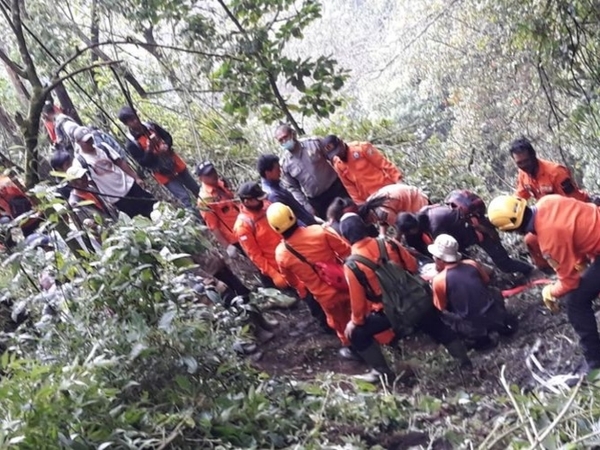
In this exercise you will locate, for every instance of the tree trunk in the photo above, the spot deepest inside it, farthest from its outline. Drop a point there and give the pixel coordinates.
(66, 103)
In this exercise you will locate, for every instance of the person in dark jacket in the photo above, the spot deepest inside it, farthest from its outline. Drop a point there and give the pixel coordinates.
(461, 293)
(152, 147)
(269, 170)
(421, 228)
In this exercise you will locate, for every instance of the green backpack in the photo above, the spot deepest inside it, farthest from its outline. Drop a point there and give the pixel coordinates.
(406, 298)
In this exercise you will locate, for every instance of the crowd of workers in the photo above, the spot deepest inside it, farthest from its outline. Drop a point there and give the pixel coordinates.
(334, 223)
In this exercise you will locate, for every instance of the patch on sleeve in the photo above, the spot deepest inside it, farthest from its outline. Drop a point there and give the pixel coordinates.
(243, 238)
(356, 155)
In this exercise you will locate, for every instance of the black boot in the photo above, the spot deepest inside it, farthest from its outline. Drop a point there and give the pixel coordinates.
(233, 282)
(374, 357)
(458, 351)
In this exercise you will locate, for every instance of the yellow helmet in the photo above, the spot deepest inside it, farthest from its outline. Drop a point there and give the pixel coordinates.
(280, 217)
(506, 212)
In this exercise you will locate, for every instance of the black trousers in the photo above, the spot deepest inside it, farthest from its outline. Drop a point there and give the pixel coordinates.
(377, 322)
(321, 202)
(138, 202)
(581, 315)
(501, 258)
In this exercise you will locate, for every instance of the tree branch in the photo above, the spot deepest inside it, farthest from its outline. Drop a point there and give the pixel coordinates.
(56, 81)
(272, 81)
(17, 27)
(13, 65)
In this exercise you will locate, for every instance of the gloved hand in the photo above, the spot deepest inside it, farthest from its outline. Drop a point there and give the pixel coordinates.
(279, 281)
(581, 266)
(549, 300)
(232, 251)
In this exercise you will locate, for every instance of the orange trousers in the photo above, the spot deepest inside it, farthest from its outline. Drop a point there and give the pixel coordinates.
(338, 316)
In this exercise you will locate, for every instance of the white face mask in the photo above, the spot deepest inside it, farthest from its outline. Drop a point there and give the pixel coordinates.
(289, 145)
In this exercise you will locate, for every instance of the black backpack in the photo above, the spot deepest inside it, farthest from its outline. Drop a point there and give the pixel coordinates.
(406, 298)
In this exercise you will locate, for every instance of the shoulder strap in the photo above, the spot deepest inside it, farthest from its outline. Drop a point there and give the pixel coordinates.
(397, 250)
(103, 146)
(363, 260)
(298, 255)
(361, 277)
(83, 162)
(383, 253)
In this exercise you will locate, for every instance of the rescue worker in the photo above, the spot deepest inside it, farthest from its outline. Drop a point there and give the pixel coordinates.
(536, 178)
(315, 244)
(116, 182)
(60, 127)
(306, 173)
(369, 326)
(14, 203)
(362, 169)
(218, 207)
(270, 173)
(568, 230)
(256, 237)
(152, 147)
(341, 206)
(79, 181)
(393, 199)
(473, 310)
(421, 228)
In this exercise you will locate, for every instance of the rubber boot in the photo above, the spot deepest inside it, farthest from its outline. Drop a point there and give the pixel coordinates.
(374, 357)
(458, 351)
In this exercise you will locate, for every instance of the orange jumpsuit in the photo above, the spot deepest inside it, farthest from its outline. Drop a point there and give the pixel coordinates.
(400, 198)
(317, 244)
(551, 178)
(219, 210)
(568, 231)
(365, 171)
(361, 306)
(259, 241)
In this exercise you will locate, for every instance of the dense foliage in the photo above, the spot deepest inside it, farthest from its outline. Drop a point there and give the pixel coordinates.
(137, 358)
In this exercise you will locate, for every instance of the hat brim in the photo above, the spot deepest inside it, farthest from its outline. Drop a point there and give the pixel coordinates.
(446, 258)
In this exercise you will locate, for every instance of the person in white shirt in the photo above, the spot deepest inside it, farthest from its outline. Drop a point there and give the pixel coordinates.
(116, 182)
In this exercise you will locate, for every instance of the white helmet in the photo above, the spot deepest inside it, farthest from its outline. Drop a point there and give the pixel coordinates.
(445, 247)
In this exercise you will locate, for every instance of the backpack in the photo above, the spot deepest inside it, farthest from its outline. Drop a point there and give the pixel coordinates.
(330, 273)
(472, 208)
(406, 298)
(468, 203)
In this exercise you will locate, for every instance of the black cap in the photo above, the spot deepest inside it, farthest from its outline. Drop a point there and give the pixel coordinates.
(204, 168)
(126, 113)
(331, 144)
(251, 189)
(353, 228)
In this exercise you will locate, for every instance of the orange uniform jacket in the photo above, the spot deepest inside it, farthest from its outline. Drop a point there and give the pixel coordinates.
(218, 209)
(361, 306)
(365, 171)
(568, 231)
(440, 298)
(258, 240)
(317, 244)
(551, 178)
(400, 198)
(178, 163)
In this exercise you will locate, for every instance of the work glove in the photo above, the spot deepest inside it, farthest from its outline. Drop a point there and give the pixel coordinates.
(232, 251)
(549, 300)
